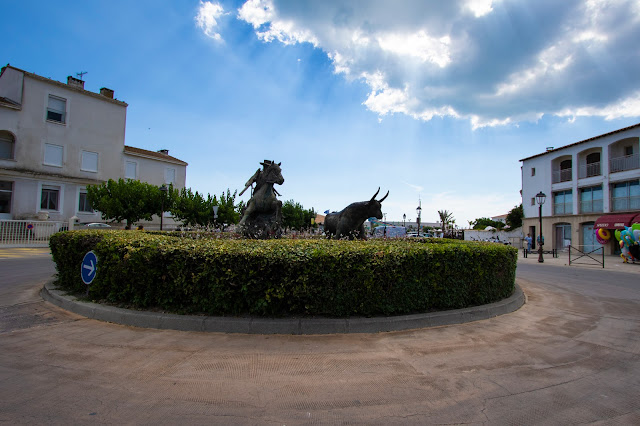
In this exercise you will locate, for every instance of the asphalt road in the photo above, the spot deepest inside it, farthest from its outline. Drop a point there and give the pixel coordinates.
(571, 355)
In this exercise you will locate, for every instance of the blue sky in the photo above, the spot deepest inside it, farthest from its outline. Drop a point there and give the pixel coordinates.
(429, 100)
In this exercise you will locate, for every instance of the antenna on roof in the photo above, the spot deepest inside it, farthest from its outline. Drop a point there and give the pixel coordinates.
(82, 73)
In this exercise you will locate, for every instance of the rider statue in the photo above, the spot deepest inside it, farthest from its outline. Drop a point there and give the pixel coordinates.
(262, 217)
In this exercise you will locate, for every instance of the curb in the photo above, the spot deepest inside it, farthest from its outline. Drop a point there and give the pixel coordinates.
(300, 326)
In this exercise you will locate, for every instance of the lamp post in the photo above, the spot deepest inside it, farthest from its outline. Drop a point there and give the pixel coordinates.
(540, 199)
(419, 211)
(215, 215)
(404, 220)
(163, 194)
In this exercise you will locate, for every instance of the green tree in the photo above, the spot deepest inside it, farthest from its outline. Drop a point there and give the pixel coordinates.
(191, 208)
(446, 218)
(295, 216)
(228, 210)
(127, 200)
(483, 222)
(515, 216)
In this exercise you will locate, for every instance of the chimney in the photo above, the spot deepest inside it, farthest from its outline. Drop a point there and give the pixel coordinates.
(164, 151)
(107, 93)
(75, 82)
(549, 148)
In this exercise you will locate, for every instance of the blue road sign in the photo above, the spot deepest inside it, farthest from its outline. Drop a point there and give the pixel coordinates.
(89, 267)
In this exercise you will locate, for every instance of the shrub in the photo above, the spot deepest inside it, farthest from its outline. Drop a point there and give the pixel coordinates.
(222, 276)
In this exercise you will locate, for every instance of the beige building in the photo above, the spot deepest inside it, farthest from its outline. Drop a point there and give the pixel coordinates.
(591, 184)
(57, 138)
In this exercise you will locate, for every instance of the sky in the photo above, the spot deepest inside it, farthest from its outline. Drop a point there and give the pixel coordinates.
(434, 101)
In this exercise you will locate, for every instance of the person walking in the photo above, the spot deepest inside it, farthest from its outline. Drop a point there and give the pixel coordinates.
(529, 241)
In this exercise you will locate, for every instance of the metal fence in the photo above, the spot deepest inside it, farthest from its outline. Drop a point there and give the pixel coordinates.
(28, 233)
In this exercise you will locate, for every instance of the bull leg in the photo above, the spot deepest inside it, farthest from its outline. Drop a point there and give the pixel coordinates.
(362, 235)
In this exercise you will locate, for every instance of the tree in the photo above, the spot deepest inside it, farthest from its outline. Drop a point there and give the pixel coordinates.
(228, 211)
(295, 216)
(191, 208)
(483, 222)
(127, 200)
(446, 218)
(515, 216)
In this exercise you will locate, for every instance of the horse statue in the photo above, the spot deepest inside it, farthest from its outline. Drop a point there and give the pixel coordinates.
(262, 217)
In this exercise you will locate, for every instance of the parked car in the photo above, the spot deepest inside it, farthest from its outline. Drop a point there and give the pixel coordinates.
(98, 225)
(389, 232)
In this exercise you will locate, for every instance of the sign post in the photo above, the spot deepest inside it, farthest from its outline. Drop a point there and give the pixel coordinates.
(89, 268)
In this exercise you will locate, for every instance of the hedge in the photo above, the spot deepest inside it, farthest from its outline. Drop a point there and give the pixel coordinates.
(218, 276)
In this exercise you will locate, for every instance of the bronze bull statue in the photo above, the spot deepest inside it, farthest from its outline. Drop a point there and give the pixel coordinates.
(349, 223)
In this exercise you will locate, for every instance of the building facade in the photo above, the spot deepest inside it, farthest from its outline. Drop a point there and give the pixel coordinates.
(588, 185)
(57, 138)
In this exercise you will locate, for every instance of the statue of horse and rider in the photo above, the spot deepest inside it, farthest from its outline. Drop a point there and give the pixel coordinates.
(262, 217)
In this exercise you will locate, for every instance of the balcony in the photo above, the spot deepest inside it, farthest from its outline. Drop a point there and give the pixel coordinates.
(627, 162)
(625, 203)
(589, 170)
(563, 175)
(593, 206)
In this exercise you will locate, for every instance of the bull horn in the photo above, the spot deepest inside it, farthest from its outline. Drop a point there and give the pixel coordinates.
(374, 195)
(279, 163)
(383, 198)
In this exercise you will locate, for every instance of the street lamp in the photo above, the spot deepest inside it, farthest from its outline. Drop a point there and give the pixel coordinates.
(404, 220)
(215, 215)
(540, 199)
(163, 192)
(419, 211)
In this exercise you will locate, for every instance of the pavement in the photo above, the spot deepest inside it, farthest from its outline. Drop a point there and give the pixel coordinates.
(570, 355)
(611, 263)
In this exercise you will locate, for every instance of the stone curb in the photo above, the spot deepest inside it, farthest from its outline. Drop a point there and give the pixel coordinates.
(310, 326)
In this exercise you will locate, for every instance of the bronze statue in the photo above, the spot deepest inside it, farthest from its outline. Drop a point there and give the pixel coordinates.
(349, 223)
(262, 217)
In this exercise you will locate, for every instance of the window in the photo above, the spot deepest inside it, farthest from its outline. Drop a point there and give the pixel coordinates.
(533, 201)
(625, 196)
(591, 199)
(6, 145)
(169, 176)
(57, 109)
(628, 150)
(53, 155)
(83, 203)
(50, 198)
(593, 164)
(89, 161)
(533, 171)
(5, 196)
(131, 170)
(563, 202)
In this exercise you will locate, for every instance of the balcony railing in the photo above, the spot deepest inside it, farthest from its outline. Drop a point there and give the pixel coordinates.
(563, 175)
(563, 208)
(594, 206)
(625, 203)
(589, 170)
(628, 162)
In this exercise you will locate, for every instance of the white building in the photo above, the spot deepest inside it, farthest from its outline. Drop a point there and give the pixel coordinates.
(57, 138)
(589, 184)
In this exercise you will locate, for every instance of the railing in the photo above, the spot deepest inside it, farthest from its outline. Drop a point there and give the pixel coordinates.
(592, 206)
(563, 175)
(526, 253)
(563, 208)
(593, 254)
(628, 162)
(625, 203)
(589, 170)
(28, 233)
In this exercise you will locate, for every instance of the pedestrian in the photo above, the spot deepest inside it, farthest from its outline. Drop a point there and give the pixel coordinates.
(529, 241)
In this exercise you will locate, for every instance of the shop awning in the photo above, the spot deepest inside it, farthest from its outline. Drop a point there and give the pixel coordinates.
(616, 221)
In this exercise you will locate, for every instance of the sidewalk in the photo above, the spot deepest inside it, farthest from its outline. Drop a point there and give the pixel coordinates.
(611, 263)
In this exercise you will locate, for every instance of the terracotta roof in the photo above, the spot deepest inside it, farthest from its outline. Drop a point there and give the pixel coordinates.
(586, 140)
(153, 154)
(66, 86)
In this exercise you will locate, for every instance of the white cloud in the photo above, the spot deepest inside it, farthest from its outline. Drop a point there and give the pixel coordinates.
(207, 19)
(493, 63)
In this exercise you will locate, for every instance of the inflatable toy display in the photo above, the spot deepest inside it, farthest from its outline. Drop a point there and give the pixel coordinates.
(629, 240)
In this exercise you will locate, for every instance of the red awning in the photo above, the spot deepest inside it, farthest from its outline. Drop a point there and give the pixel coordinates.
(616, 221)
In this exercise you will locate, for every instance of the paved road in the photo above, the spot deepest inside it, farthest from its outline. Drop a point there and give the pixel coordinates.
(570, 355)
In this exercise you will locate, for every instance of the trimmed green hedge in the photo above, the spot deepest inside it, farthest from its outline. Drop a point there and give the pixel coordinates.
(285, 277)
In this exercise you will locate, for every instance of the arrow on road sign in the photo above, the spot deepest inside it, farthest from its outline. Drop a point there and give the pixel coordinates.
(89, 267)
